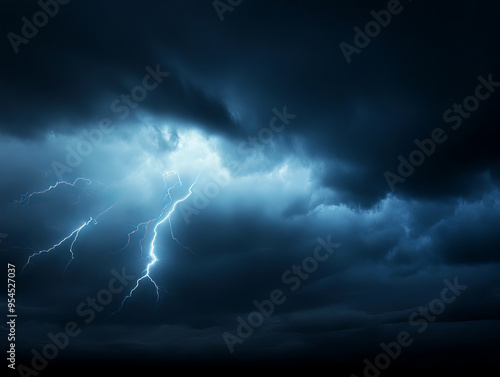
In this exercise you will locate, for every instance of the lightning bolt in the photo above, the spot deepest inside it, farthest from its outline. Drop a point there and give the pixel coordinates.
(27, 197)
(164, 216)
(146, 223)
(74, 234)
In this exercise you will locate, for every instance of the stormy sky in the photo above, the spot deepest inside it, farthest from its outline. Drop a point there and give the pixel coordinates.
(285, 183)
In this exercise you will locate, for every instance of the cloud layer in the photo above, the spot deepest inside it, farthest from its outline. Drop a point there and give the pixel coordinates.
(287, 142)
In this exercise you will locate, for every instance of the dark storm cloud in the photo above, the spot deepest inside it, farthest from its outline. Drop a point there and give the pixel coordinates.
(226, 76)
(72, 71)
(322, 175)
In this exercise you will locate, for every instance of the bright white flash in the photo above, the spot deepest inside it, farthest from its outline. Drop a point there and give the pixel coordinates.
(161, 219)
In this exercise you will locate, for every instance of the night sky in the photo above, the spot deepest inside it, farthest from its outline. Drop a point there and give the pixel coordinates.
(243, 184)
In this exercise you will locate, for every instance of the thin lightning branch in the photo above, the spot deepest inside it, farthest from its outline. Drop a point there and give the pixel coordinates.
(27, 197)
(179, 182)
(136, 229)
(73, 243)
(53, 247)
(146, 223)
(152, 255)
(78, 232)
(75, 233)
(176, 240)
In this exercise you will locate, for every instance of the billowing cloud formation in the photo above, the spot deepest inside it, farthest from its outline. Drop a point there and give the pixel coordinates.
(392, 157)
